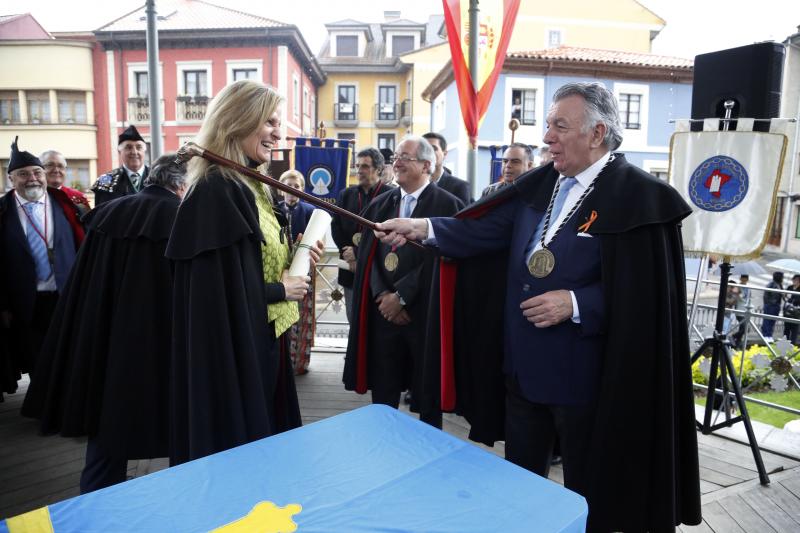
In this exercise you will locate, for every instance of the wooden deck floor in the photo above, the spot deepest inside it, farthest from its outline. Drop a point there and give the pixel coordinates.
(36, 471)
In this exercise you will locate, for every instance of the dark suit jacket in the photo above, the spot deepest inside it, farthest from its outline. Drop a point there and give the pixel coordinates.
(18, 271)
(455, 186)
(116, 184)
(353, 199)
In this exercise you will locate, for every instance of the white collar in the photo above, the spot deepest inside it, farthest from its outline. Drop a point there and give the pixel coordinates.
(129, 171)
(416, 193)
(586, 177)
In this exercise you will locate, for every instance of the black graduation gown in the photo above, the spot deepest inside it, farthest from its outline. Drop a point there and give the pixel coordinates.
(412, 277)
(225, 368)
(104, 364)
(644, 473)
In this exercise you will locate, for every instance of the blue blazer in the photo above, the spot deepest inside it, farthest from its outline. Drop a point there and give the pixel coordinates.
(559, 365)
(19, 280)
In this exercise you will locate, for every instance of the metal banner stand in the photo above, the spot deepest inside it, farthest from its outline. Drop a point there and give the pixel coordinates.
(722, 363)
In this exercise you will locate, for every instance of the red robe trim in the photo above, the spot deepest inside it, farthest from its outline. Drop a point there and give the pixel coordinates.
(71, 212)
(363, 322)
(448, 275)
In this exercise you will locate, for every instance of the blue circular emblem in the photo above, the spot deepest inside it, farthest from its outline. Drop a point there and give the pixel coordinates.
(720, 183)
(321, 177)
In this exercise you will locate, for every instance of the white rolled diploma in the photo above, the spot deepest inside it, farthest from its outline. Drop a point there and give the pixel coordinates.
(315, 231)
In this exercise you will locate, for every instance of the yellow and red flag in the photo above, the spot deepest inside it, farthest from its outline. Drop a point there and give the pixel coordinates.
(496, 23)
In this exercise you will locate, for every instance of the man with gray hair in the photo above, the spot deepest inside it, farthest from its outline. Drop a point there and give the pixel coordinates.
(594, 307)
(105, 361)
(392, 286)
(55, 168)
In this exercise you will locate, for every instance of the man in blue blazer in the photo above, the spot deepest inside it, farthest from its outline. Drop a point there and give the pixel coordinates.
(593, 305)
(40, 232)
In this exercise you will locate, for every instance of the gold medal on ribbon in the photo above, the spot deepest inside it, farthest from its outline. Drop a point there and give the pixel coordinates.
(356, 238)
(541, 263)
(391, 262)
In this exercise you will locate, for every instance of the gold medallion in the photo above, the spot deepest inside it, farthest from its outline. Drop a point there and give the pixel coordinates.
(391, 261)
(541, 263)
(356, 239)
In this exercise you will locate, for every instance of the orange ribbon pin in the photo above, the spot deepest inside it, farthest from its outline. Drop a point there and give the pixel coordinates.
(585, 226)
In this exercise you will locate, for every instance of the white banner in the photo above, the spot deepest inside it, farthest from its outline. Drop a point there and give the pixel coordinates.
(730, 179)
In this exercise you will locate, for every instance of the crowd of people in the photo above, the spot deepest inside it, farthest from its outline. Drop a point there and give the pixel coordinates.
(164, 321)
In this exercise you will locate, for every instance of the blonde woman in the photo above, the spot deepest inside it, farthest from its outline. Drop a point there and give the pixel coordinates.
(231, 382)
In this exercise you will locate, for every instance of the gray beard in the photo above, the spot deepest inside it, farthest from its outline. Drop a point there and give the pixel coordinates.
(33, 194)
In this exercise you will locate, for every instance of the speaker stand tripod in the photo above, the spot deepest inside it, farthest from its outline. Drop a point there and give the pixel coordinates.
(722, 371)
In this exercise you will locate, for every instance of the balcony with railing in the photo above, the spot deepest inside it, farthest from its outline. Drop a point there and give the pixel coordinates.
(138, 109)
(191, 108)
(387, 115)
(345, 115)
(406, 117)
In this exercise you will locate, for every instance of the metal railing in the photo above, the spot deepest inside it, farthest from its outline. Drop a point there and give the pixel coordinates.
(743, 327)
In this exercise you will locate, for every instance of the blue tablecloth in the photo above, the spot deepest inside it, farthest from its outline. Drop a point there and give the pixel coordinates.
(372, 469)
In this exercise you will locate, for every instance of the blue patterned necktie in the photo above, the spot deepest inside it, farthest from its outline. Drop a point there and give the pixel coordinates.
(35, 241)
(408, 206)
(558, 205)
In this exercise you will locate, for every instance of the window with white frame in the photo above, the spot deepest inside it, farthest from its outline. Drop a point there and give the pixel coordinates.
(402, 44)
(195, 83)
(386, 140)
(9, 107)
(630, 108)
(38, 106)
(78, 174)
(194, 79)
(141, 84)
(72, 107)
(523, 106)
(243, 69)
(244, 74)
(346, 102)
(346, 45)
(554, 38)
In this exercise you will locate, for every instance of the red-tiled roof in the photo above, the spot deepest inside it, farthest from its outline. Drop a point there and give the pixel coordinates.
(190, 15)
(610, 57)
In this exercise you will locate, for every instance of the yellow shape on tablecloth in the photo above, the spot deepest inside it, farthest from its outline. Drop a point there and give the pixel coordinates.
(36, 521)
(265, 517)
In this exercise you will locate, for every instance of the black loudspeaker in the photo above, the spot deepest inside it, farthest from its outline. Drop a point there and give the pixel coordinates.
(748, 75)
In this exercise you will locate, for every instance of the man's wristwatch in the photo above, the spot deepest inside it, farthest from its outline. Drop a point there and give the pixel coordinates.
(402, 302)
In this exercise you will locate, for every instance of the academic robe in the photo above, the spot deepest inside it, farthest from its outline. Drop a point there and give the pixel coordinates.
(644, 473)
(412, 279)
(104, 366)
(225, 368)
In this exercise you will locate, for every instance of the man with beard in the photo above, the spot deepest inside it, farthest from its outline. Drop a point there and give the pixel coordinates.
(128, 178)
(392, 288)
(40, 231)
(356, 198)
(55, 165)
(104, 366)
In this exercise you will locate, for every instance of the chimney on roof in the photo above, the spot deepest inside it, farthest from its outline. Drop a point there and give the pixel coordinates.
(391, 15)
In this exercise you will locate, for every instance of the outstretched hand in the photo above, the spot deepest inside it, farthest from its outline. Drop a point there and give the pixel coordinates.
(398, 231)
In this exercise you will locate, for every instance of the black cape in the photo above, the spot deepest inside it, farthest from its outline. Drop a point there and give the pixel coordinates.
(104, 364)
(413, 277)
(225, 369)
(644, 464)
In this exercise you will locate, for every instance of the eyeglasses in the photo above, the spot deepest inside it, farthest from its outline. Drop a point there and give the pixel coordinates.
(59, 166)
(403, 157)
(25, 174)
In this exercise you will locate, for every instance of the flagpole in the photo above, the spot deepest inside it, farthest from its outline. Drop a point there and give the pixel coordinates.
(472, 152)
(154, 81)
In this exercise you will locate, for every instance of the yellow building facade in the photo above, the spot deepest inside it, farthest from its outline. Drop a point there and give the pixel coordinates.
(47, 99)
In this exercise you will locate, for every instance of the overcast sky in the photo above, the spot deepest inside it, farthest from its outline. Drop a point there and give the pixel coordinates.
(693, 26)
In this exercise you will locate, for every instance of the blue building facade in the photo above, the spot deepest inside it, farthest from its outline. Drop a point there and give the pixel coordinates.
(651, 91)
